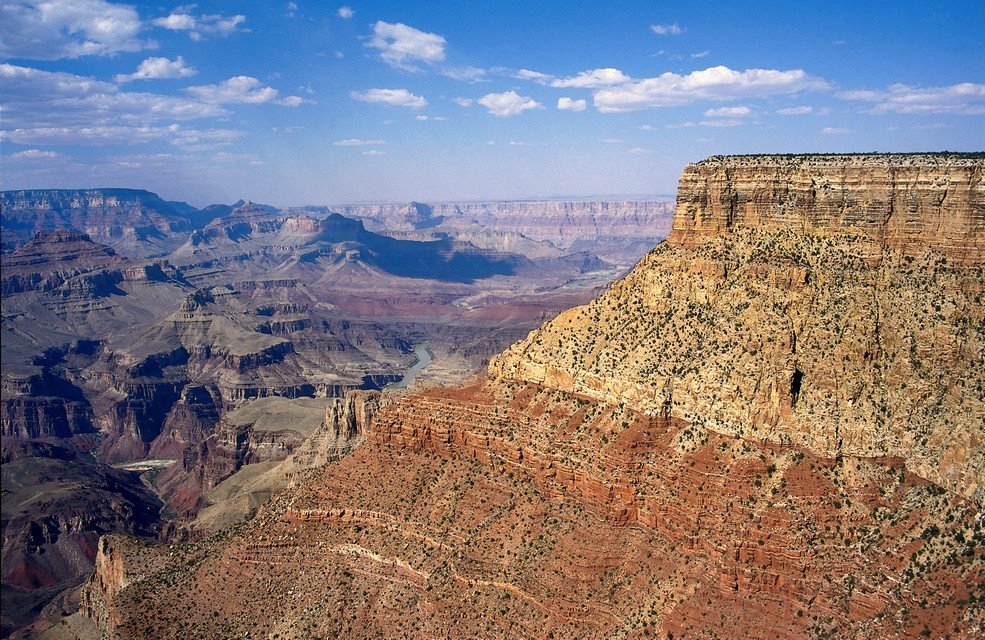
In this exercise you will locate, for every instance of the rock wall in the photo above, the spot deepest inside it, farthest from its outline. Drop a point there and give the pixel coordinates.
(560, 222)
(771, 318)
(909, 202)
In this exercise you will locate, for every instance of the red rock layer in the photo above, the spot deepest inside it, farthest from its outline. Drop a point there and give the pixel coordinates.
(500, 511)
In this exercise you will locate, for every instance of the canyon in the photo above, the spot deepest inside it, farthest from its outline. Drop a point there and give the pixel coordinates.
(216, 344)
(771, 427)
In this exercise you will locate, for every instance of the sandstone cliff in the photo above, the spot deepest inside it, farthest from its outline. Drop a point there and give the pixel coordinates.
(850, 324)
(912, 203)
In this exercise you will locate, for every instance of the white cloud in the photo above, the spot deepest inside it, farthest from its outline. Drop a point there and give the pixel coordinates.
(567, 104)
(439, 118)
(519, 143)
(701, 54)
(395, 97)
(181, 20)
(374, 152)
(292, 9)
(241, 90)
(611, 141)
(731, 122)
(714, 83)
(176, 22)
(400, 45)
(667, 29)
(345, 12)
(728, 112)
(421, 118)
(462, 102)
(647, 127)
(507, 104)
(465, 74)
(158, 68)
(53, 29)
(355, 142)
(120, 134)
(795, 111)
(639, 151)
(34, 154)
(227, 25)
(966, 98)
(536, 76)
(34, 98)
(594, 79)
(828, 131)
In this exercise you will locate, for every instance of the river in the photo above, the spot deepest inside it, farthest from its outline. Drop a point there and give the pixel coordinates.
(424, 358)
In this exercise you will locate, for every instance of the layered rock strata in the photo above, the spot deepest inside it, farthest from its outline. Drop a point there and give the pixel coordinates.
(767, 316)
(767, 433)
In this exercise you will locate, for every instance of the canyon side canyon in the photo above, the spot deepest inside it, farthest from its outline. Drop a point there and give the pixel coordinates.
(771, 427)
(166, 369)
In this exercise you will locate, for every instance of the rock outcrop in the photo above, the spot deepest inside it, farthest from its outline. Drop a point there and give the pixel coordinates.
(907, 202)
(849, 330)
(133, 220)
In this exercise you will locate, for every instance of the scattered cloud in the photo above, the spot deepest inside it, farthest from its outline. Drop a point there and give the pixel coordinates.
(719, 124)
(967, 98)
(593, 79)
(345, 12)
(701, 54)
(639, 151)
(647, 127)
(519, 143)
(215, 24)
(241, 90)
(55, 29)
(158, 68)
(401, 45)
(462, 102)
(34, 154)
(120, 134)
(439, 118)
(714, 83)
(728, 112)
(421, 118)
(567, 104)
(176, 22)
(536, 76)
(667, 29)
(374, 152)
(465, 74)
(506, 104)
(795, 111)
(355, 142)
(395, 97)
(34, 98)
(292, 9)
(829, 131)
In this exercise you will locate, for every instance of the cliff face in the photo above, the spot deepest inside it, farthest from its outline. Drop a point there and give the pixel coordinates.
(853, 329)
(613, 230)
(911, 203)
(126, 218)
(504, 510)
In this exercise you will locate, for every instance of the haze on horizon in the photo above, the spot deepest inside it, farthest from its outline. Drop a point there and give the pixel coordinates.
(305, 102)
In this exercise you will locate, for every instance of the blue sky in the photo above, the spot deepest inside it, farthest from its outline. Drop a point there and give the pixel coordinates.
(309, 102)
